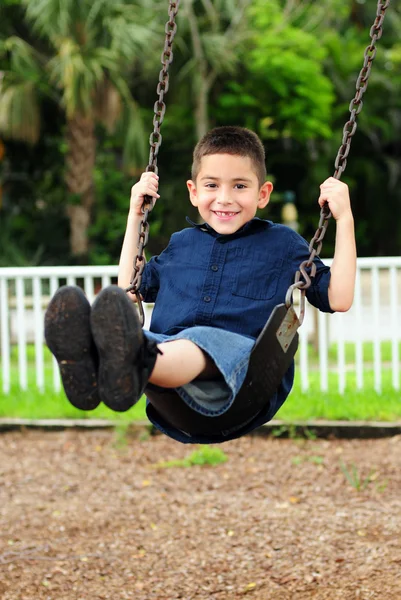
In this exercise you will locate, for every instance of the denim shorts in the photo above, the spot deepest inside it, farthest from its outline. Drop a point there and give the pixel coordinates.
(229, 351)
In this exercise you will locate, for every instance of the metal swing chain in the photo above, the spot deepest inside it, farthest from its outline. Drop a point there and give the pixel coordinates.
(155, 141)
(307, 269)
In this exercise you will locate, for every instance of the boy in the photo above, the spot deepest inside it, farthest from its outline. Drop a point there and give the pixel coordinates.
(214, 288)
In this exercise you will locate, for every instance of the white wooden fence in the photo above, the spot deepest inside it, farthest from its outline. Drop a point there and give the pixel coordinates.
(375, 317)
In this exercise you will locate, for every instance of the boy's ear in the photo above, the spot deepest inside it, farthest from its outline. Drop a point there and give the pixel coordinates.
(264, 194)
(192, 192)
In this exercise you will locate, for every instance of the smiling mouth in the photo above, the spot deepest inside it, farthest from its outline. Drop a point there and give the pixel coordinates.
(224, 215)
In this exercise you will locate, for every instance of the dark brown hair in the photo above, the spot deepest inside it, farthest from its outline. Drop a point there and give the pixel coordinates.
(237, 141)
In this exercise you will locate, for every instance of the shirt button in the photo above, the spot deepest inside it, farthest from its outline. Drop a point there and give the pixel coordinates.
(215, 268)
(206, 298)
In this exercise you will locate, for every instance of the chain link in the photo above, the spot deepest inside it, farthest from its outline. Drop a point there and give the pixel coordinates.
(307, 269)
(155, 141)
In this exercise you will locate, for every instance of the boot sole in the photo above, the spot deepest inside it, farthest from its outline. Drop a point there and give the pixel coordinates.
(118, 337)
(69, 338)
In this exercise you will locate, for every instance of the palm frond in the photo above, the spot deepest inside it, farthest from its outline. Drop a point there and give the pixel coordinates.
(77, 75)
(108, 104)
(54, 17)
(135, 138)
(212, 13)
(129, 40)
(187, 68)
(19, 110)
(220, 51)
(96, 10)
(119, 82)
(23, 59)
(94, 43)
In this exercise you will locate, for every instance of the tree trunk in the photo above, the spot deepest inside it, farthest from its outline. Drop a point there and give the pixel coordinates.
(79, 216)
(202, 107)
(200, 82)
(80, 163)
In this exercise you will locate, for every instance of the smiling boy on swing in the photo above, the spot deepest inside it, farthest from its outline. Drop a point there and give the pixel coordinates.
(214, 287)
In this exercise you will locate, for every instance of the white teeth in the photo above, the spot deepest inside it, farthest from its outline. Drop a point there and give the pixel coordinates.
(225, 214)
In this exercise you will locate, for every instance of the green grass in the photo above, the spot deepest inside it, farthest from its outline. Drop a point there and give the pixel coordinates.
(349, 351)
(203, 456)
(353, 405)
(33, 404)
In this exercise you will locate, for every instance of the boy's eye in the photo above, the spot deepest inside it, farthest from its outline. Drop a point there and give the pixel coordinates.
(212, 185)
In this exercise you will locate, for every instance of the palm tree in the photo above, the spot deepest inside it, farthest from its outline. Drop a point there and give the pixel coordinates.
(81, 56)
(217, 30)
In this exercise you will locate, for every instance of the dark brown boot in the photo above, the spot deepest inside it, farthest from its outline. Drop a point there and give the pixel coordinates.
(68, 336)
(126, 357)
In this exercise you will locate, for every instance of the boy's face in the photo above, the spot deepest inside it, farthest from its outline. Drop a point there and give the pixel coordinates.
(227, 192)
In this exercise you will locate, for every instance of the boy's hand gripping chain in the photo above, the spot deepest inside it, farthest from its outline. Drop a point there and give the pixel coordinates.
(307, 269)
(155, 141)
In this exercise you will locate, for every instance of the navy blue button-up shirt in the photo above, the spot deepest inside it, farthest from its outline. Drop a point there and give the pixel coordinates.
(232, 282)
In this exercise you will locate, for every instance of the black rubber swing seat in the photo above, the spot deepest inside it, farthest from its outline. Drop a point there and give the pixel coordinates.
(270, 359)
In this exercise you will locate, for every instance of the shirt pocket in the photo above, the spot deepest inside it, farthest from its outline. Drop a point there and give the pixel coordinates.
(256, 274)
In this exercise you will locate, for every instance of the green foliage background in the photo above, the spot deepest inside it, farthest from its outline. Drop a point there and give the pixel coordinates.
(291, 78)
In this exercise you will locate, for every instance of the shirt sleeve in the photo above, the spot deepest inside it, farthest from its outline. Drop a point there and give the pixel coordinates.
(318, 293)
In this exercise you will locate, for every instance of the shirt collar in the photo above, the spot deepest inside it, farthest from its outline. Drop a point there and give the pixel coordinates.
(253, 224)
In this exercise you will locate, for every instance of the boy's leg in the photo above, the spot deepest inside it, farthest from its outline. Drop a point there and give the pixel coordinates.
(181, 361)
(68, 336)
(128, 360)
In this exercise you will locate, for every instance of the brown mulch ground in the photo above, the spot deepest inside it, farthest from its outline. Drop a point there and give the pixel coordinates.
(83, 517)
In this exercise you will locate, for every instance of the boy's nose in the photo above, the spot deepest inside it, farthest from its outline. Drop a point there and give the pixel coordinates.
(224, 197)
